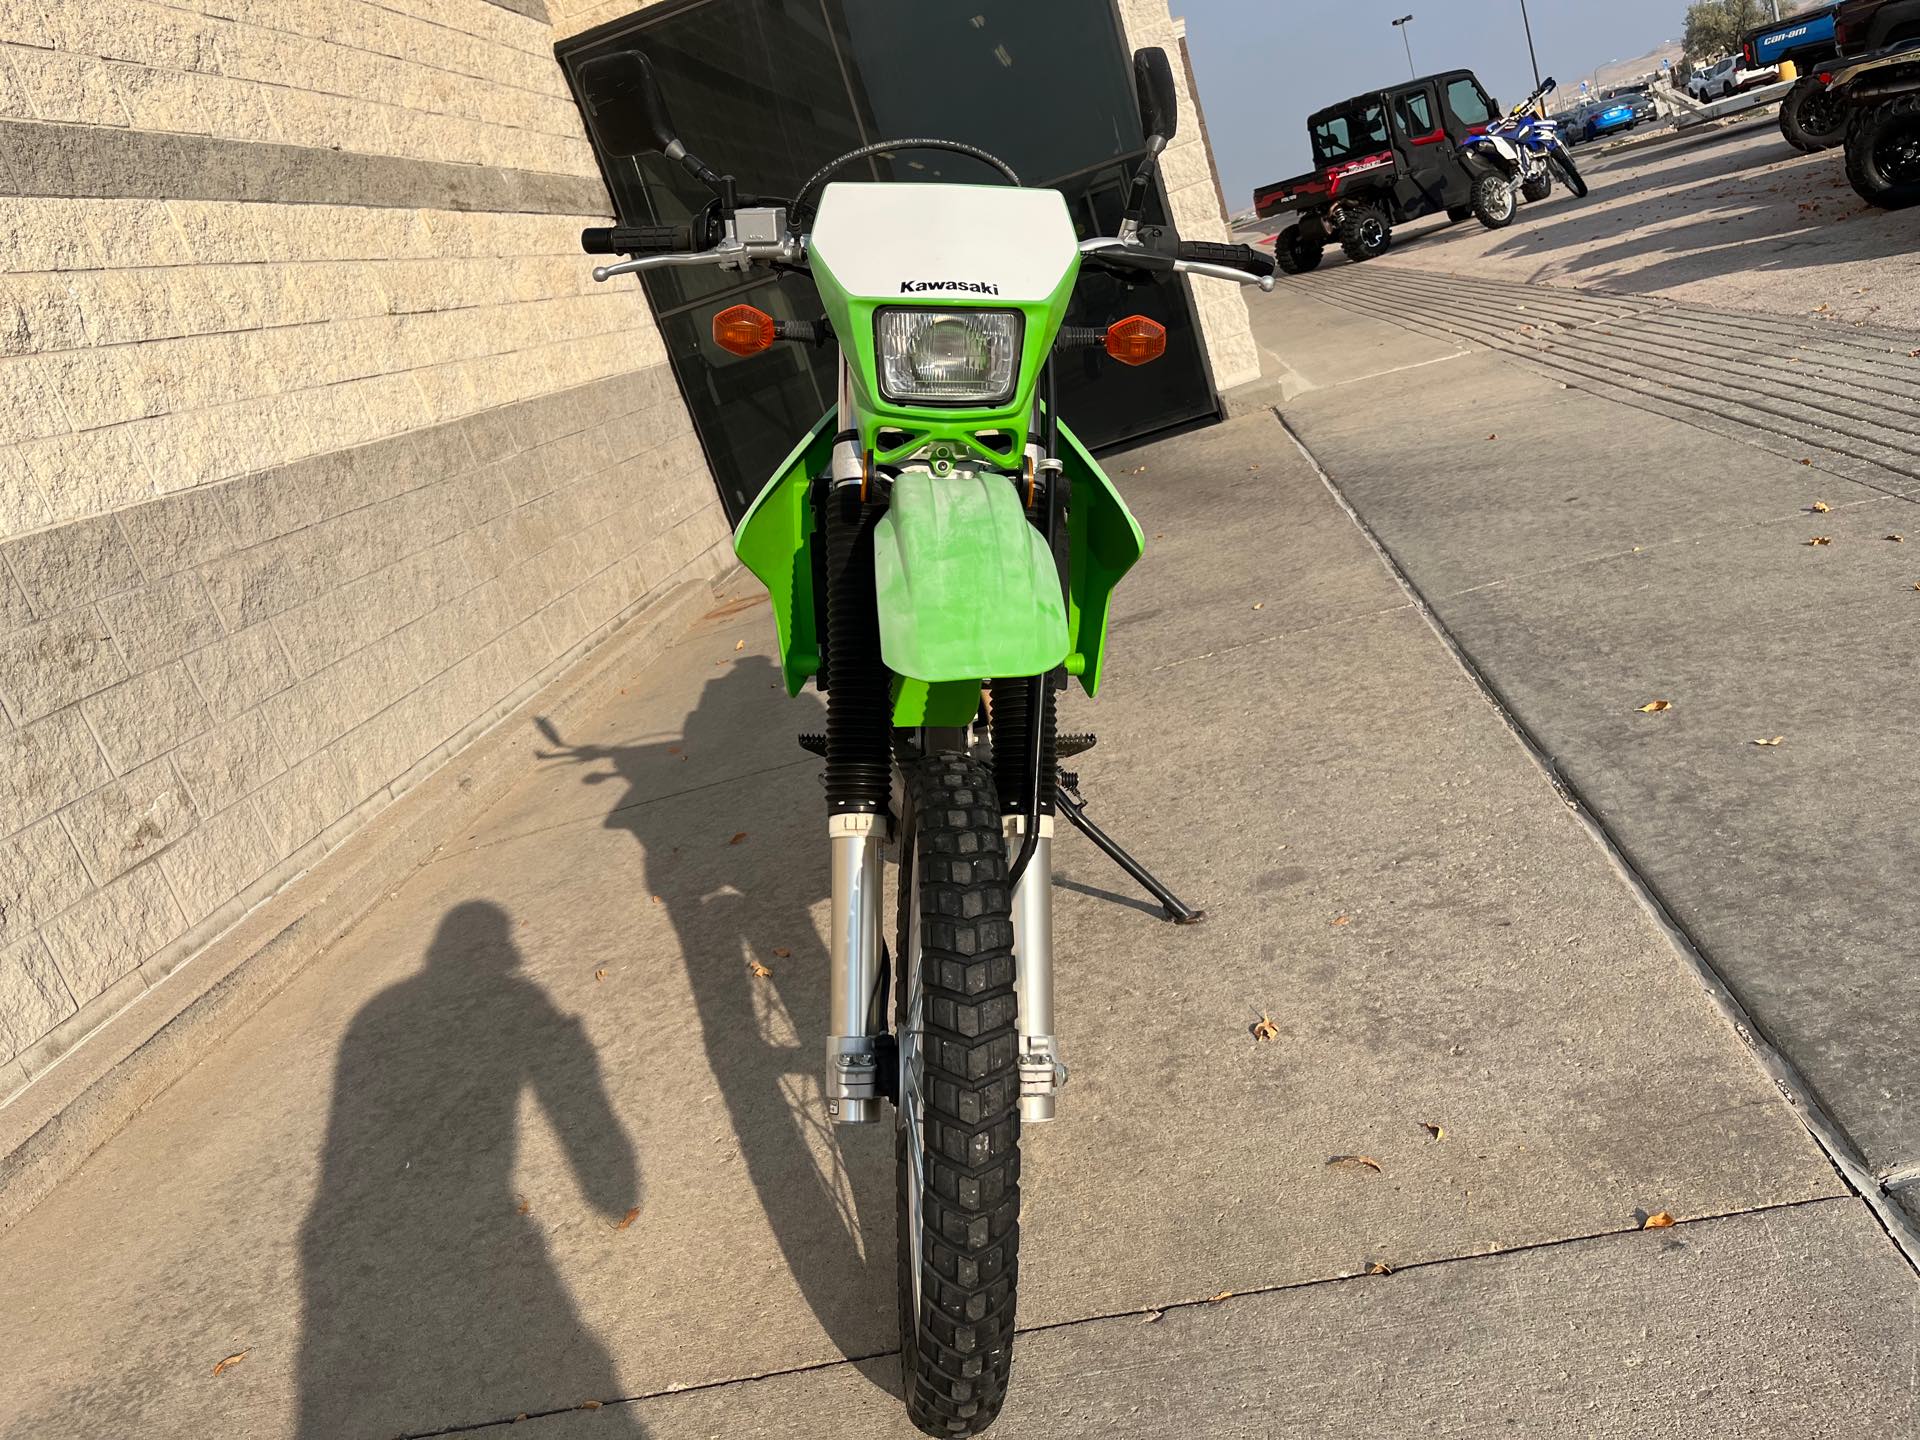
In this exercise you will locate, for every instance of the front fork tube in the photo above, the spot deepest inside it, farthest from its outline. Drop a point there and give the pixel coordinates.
(1041, 1073)
(856, 973)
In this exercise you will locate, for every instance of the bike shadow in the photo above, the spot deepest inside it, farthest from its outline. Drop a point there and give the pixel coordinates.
(827, 1192)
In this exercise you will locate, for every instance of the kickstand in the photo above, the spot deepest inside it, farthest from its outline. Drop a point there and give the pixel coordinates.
(1072, 804)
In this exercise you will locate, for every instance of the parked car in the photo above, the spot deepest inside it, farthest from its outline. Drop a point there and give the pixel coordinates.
(1728, 76)
(1810, 118)
(1881, 96)
(1608, 116)
(1863, 26)
(1381, 159)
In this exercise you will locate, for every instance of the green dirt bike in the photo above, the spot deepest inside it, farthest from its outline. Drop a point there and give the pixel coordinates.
(939, 534)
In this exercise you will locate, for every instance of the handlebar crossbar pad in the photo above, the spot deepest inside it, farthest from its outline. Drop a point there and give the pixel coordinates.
(636, 239)
(1234, 257)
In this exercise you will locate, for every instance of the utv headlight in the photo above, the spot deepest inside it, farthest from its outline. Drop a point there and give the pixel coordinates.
(948, 357)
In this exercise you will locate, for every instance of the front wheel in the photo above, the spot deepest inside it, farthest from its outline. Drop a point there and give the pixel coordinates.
(1493, 202)
(1562, 165)
(957, 1146)
(1295, 254)
(1365, 233)
(1883, 153)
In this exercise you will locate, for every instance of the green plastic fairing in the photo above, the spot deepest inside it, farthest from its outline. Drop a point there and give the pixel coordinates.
(774, 540)
(1105, 542)
(965, 585)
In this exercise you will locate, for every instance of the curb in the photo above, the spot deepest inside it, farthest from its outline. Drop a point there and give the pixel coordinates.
(257, 958)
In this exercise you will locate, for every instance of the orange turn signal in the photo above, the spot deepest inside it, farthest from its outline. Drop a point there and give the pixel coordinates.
(743, 330)
(1136, 340)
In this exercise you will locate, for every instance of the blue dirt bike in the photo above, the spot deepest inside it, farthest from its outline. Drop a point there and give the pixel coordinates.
(1519, 155)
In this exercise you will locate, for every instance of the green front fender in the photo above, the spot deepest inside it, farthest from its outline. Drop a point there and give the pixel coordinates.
(776, 537)
(966, 587)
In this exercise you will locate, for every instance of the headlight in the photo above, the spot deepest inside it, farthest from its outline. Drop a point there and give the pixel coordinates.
(948, 357)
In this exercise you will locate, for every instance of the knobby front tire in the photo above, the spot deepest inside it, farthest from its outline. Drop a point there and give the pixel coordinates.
(957, 1146)
(1562, 165)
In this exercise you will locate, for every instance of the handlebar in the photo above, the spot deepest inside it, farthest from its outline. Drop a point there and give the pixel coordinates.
(636, 239)
(1233, 257)
(760, 235)
(1241, 264)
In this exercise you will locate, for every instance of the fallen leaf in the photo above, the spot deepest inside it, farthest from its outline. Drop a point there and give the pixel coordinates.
(738, 836)
(525, 1207)
(1654, 707)
(600, 974)
(589, 1405)
(780, 952)
(759, 970)
(1806, 462)
(1659, 1220)
(1355, 1162)
(739, 645)
(1343, 920)
(1223, 1295)
(1774, 741)
(1438, 1132)
(1259, 604)
(1379, 1267)
(1897, 539)
(628, 1219)
(1493, 437)
(1913, 354)
(231, 1361)
(1819, 507)
(1151, 1316)
(1264, 1028)
(656, 900)
(1821, 540)
(673, 749)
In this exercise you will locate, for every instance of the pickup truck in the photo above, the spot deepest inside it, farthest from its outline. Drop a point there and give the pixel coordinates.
(1810, 119)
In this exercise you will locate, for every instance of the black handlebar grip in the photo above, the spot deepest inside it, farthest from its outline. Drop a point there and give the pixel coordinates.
(1234, 257)
(636, 239)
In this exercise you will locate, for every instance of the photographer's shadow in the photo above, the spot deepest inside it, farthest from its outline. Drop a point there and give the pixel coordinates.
(827, 1191)
(429, 1292)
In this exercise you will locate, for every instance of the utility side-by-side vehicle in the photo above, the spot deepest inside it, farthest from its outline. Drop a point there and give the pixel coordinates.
(1383, 159)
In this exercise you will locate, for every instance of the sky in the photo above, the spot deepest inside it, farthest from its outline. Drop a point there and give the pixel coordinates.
(1264, 65)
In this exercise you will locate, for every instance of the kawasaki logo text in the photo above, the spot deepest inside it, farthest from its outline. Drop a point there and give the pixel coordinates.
(972, 287)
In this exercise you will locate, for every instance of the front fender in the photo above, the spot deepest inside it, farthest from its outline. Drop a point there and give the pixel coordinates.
(966, 587)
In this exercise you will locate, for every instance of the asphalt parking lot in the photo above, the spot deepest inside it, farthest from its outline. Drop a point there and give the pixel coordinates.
(1734, 219)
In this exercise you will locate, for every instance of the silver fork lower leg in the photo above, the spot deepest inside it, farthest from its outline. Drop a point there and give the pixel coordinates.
(1041, 1073)
(854, 968)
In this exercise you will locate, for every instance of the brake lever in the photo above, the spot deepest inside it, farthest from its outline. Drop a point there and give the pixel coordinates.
(1224, 272)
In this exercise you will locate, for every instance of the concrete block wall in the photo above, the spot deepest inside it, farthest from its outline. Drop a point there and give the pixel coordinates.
(319, 450)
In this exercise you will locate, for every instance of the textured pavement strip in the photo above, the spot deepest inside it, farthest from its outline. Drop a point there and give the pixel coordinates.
(1730, 373)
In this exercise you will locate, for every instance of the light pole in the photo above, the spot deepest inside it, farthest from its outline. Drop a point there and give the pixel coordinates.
(1401, 25)
(1530, 55)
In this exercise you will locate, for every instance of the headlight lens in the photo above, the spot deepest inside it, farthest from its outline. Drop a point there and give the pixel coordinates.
(948, 357)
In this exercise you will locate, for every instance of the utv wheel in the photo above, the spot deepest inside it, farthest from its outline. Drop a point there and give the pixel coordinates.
(1295, 254)
(1364, 233)
(1562, 165)
(1812, 118)
(1538, 188)
(1458, 213)
(957, 1146)
(1883, 153)
(1493, 202)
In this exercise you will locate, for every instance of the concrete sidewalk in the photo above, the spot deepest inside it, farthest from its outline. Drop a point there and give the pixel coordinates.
(536, 1141)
